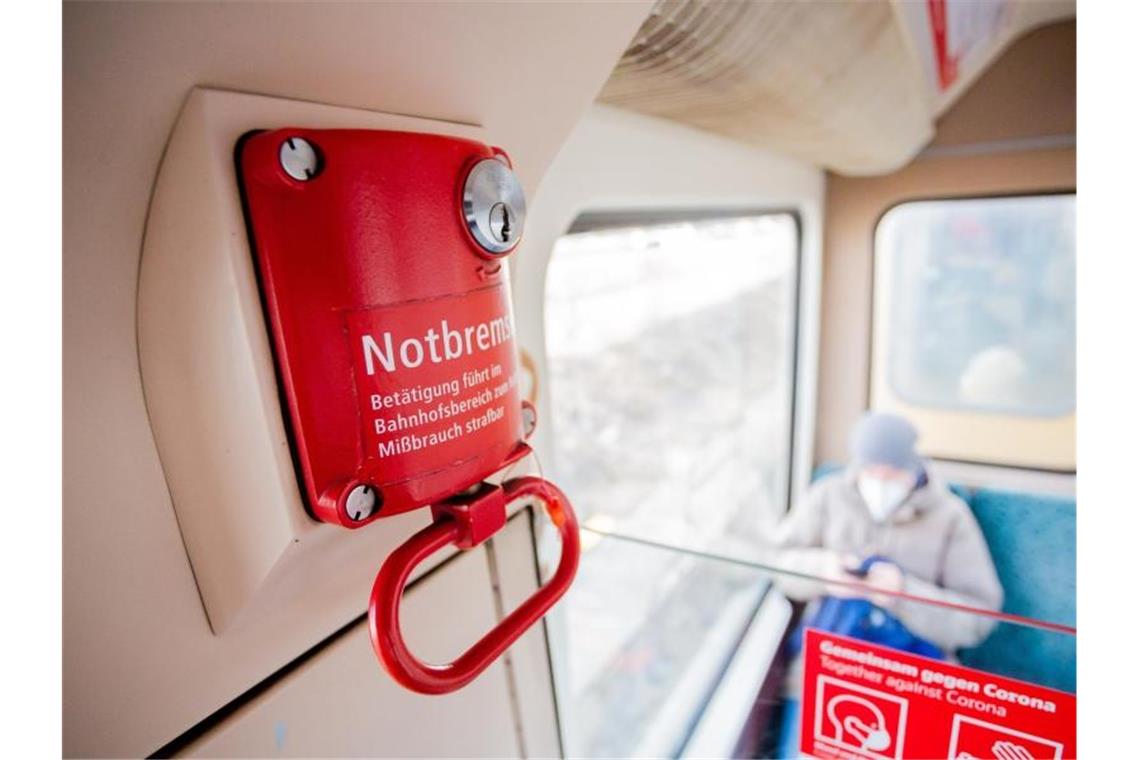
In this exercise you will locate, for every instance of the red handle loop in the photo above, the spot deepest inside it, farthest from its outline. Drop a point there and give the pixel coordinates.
(384, 605)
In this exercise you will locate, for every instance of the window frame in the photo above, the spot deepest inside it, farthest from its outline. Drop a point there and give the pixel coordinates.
(601, 219)
(875, 374)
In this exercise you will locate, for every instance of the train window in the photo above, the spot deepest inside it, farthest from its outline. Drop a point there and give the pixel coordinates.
(670, 344)
(670, 347)
(975, 326)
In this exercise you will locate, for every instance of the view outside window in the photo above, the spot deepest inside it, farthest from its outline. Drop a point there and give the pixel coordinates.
(671, 351)
(981, 302)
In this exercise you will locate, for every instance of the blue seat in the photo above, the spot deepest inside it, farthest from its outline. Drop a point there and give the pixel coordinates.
(1032, 538)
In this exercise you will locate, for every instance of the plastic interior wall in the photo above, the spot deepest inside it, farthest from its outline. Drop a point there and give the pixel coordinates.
(141, 662)
(1013, 132)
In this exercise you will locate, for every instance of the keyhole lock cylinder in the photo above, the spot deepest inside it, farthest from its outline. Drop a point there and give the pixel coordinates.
(494, 206)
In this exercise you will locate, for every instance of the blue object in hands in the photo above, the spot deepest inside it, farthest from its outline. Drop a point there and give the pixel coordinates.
(865, 621)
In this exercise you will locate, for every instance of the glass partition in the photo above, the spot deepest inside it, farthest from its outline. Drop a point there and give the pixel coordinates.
(675, 653)
(670, 343)
(650, 634)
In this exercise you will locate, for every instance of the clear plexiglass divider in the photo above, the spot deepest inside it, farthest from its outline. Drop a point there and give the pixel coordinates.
(670, 651)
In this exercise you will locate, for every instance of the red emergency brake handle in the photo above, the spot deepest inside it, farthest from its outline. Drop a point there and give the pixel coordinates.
(465, 523)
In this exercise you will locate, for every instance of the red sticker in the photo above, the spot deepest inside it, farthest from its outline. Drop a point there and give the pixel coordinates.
(866, 702)
(435, 382)
(958, 28)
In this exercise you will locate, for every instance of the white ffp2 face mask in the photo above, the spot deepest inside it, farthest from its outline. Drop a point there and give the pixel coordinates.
(883, 495)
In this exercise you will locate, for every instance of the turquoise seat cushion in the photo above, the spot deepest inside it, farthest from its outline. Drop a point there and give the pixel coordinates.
(1032, 538)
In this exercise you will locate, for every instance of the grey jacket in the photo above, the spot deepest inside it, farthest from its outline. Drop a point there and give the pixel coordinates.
(933, 537)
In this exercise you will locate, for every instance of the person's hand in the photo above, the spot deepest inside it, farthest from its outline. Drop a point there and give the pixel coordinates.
(885, 576)
(836, 568)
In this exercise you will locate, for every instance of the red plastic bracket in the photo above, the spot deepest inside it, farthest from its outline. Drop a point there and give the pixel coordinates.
(466, 522)
(479, 514)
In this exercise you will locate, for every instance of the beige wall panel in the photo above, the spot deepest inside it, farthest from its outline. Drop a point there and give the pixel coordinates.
(340, 704)
(210, 386)
(1029, 93)
(853, 209)
(141, 663)
(529, 659)
(1013, 22)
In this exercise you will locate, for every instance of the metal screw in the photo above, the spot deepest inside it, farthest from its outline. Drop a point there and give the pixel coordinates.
(361, 502)
(529, 419)
(299, 159)
(494, 206)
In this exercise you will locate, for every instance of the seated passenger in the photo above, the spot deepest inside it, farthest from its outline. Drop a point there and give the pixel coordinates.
(887, 523)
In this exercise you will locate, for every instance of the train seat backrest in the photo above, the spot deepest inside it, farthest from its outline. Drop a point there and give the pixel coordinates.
(1033, 541)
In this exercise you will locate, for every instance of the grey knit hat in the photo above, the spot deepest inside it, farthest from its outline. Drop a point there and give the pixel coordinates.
(885, 439)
